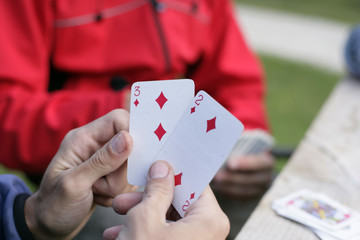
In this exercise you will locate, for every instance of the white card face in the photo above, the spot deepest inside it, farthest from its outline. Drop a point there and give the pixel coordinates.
(198, 146)
(155, 109)
(351, 232)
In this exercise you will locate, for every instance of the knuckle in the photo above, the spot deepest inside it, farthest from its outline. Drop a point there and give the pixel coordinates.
(123, 187)
(118, 113)
(157, 189)
(70, 134)
(67, 186)
(69, 137)
(98, 161)
(74, 136)
(120, 118)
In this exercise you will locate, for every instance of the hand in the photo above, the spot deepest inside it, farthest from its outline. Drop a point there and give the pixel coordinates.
(146, 218)
(89, 168)
(245, 177)
(127, 99)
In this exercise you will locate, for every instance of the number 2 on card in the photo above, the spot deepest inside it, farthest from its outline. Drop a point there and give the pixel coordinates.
(197, 101)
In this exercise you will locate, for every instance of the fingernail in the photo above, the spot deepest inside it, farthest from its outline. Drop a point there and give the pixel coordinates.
(158, 170)
(232, 163)
(115, 206)
(118, 143)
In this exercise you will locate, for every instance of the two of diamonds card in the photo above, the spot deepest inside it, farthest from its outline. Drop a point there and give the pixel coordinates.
(195, 135)
(321, 214)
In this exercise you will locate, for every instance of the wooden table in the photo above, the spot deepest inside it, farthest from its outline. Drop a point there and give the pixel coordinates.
(327, 160)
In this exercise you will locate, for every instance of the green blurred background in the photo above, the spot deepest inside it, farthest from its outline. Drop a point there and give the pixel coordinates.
(297, 91)
(346, 11)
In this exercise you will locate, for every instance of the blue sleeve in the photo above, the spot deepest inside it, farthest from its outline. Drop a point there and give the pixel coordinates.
(10, 187)
(352, 52)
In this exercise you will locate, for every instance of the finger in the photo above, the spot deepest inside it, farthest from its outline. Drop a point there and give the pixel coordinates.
(103, 201)
(114, 183)
(108, 125)
(86, 140)
(207, 200)
(159, 189)
(106, 160)
(251, 162)
(124, 202)
(243, 178)
(112, 232)
(201, 214)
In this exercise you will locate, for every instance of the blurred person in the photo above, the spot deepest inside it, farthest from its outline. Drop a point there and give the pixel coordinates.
(83, 173)
(352, 52)
(65, 63)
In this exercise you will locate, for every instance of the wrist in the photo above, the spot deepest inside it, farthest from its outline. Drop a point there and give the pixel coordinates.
(36, 226)
(42, 223)
(31, 218)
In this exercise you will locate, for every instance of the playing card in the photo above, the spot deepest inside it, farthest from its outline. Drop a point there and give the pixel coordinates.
(315, 210)
(352, 232)
(155, 109)
(347, 232)
(198, 146)
(253, 142)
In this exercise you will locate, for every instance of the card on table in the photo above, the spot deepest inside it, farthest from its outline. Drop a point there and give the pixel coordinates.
(198, 146)
(318, 208)
(351, 232)
(155, 109)
(326, 217)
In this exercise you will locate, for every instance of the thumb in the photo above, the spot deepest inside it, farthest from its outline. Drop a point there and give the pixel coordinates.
(105, 160)
(159, 189)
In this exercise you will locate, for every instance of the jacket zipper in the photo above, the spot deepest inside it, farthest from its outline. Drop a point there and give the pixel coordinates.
(100, 14)
(156, 6)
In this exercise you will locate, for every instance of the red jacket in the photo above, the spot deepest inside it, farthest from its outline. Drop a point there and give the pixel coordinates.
(95, 43)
